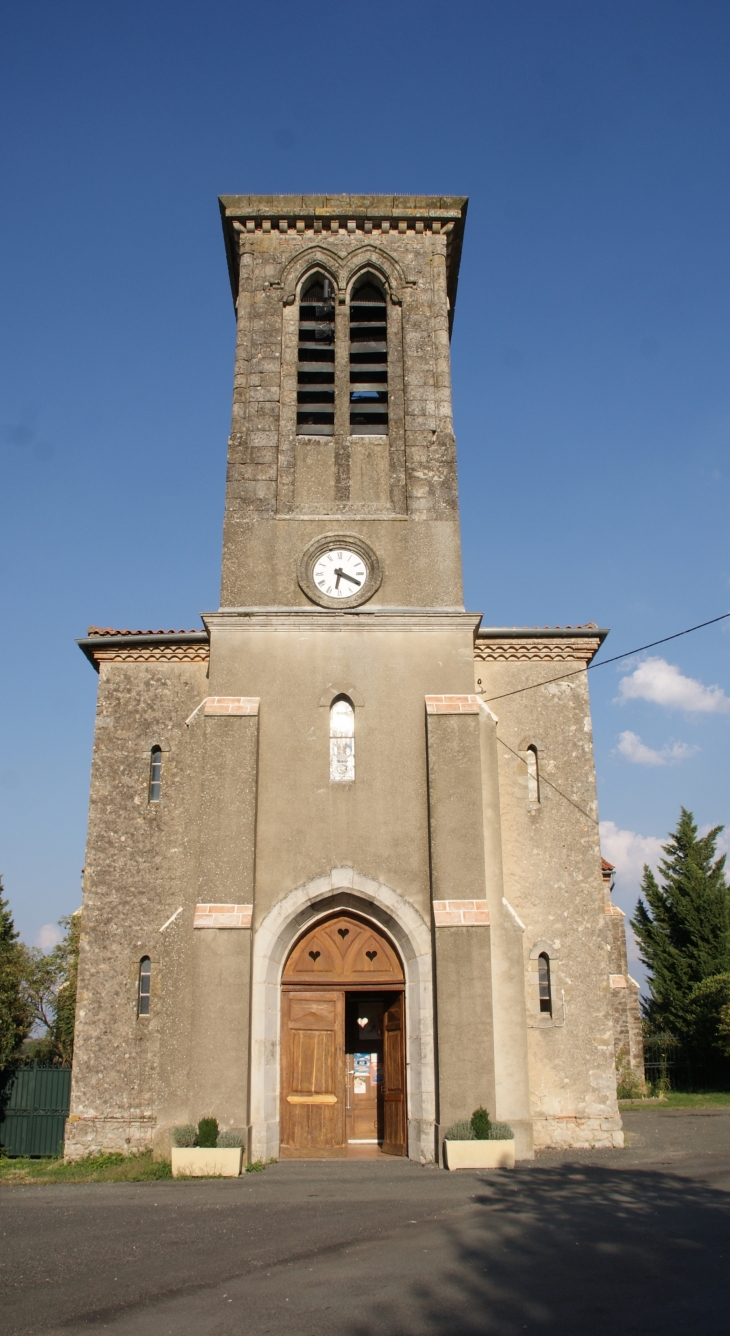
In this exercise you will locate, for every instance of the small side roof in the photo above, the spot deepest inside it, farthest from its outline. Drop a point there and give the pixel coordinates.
(108, 637)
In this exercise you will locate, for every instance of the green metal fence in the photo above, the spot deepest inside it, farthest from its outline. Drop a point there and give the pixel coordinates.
(33, 1110)
(671, 1065)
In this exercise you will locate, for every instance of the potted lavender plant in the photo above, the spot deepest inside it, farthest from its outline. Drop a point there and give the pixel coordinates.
(478, 1143)
(206, 1152)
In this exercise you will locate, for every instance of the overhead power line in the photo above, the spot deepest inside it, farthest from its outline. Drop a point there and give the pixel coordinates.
(575, 672)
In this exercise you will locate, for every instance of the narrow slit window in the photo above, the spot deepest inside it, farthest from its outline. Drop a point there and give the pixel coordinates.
(533, 776)
(543, 976)
(368, 361)
(342, 741)
(155, 774)
(316, 368)
(145, 980)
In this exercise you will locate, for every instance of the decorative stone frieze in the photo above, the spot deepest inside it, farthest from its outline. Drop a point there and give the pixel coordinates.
(553, 650)
(154, 654)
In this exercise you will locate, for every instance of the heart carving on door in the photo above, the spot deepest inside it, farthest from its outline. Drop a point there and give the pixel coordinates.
(343, 949)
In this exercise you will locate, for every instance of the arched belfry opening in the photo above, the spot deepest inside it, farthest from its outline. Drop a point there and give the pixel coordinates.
(316, 358)
(343, 1042)
(368, 360)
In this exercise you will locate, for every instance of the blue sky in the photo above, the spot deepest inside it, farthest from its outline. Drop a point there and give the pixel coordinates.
(590, 350)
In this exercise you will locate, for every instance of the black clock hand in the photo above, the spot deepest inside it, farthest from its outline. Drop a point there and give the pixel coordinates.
(337, 581)
(343, 574)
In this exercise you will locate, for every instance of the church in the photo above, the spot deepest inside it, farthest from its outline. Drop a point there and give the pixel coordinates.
(343, 880)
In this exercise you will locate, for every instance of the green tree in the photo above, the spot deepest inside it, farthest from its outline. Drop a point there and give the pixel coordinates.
(723, 1030)
(49, 982)
(710, 1014)
(65, 1007)
(16, 1015)
(682, 925)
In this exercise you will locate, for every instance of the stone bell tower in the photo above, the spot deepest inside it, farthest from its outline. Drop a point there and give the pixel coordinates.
(342, 399)
(342, 585)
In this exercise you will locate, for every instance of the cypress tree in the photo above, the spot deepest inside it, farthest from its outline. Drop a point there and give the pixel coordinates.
(683, 925)
(15, 1013)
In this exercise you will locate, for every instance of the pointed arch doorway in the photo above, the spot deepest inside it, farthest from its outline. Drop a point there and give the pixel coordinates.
(342, 1043)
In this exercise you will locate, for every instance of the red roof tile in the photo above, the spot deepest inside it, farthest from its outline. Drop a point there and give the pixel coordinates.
(111, 631)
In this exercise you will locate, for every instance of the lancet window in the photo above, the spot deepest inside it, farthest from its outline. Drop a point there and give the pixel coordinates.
(543, 979)
(533, 776)
(342, 740)
(316, 367)
(155, 774)
(144, 987)
(368, 361)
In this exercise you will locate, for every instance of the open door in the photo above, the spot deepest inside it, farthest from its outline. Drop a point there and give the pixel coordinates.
(343, 1065)
(394, 1078)
(364, 1060)
(312, 1072)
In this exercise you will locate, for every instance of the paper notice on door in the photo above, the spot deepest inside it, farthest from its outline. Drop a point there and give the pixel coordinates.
(360, 1086)
(375, 1073)
(361, 1064)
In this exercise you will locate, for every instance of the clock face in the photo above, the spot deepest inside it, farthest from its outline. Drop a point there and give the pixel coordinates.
(340, 573)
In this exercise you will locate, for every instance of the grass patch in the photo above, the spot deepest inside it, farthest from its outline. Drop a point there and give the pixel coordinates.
(102, 1169)
(708, 1099)
(94, 1169)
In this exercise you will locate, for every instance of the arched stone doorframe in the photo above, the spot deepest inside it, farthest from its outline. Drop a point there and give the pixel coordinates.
(341, 889)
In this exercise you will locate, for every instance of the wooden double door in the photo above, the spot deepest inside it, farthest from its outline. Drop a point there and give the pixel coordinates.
(343, 1044)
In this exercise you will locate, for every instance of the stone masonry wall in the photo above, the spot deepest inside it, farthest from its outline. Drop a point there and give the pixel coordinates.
(628, 1039)
(552, 878)
(139, 872)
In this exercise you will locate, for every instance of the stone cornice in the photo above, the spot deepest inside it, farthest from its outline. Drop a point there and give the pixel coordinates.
(344, 206)
(354, 619)
(347, 217)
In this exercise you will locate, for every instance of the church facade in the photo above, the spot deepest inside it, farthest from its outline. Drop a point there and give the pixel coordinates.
(343, 881)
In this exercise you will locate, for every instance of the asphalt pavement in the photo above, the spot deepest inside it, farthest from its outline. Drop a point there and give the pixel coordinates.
(632, 1241)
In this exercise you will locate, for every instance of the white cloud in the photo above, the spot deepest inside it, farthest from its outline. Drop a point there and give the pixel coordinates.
(633, 749)
(661, 682)
(48, 936)
(628, 852)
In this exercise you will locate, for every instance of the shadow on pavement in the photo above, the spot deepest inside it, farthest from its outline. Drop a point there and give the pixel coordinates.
(575, 1249)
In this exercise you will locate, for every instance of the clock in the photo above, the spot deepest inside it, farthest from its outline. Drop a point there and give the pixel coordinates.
(339, 571)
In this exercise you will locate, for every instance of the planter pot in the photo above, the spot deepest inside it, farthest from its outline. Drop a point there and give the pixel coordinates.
(199, 1162)
(480, 1154)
